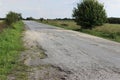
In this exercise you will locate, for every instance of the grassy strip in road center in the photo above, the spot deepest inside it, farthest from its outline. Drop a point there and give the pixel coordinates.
(10, 47)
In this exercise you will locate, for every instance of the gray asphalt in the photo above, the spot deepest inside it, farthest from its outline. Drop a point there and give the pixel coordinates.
(86, 57)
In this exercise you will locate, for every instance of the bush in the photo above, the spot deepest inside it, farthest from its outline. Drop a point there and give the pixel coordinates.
(89, 13)
(41, 19)
(30, 18)
(12, 17)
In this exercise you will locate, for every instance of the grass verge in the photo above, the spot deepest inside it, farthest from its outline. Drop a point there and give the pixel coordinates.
(10, 47)
(107, 31)
(67, 24)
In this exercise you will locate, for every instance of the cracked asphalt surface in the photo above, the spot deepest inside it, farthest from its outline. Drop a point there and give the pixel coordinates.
(81, 56)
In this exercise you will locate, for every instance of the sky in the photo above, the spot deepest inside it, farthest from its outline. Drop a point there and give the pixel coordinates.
(52, 8)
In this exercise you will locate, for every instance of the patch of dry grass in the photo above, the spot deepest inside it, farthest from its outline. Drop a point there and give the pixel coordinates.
(67, 24)
(110, 28)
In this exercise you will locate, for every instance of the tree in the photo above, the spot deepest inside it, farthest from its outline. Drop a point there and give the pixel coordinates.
(89, 13)
(12, 17)
(30, 18)
(41, 19)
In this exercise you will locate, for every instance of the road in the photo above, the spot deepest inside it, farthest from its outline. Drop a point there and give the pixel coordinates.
(80, 56)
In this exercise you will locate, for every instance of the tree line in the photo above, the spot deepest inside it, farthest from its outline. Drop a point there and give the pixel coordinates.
(113, 20)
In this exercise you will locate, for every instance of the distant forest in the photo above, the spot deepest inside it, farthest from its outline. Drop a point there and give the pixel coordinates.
(114, 20)
(111, 20)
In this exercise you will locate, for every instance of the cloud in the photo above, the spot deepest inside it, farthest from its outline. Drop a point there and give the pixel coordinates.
(51, 8)
(0, 4)
(112, 7)
(40, 8)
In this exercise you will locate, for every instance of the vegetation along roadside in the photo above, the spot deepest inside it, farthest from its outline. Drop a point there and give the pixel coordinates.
(10, 46)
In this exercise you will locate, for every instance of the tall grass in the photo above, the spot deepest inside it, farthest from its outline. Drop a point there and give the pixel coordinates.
(108, 31)
(67, 24)
(10, 47)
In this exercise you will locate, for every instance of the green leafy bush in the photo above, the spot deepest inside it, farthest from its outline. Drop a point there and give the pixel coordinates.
(89, 13)
(12, 17)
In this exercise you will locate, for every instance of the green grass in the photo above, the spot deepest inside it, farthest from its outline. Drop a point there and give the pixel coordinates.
(10, 47)
(108, 31)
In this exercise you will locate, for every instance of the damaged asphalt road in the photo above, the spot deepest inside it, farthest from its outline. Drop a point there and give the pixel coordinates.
(70, 55)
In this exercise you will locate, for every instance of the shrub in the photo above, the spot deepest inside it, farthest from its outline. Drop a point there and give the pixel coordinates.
(12, 17)
(30, 18)
(89, 13)
(41, 19)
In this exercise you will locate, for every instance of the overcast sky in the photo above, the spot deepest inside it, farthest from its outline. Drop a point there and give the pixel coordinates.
(52, 8)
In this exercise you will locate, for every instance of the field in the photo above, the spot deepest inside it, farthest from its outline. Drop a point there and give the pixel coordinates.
(10, 47)
(108, 31)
